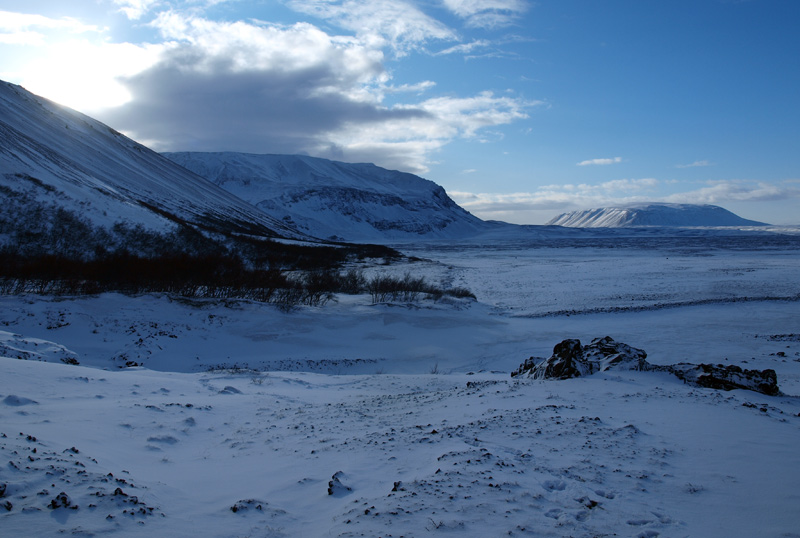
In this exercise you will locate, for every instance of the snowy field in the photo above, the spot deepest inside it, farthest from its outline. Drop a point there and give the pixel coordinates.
(357, 419)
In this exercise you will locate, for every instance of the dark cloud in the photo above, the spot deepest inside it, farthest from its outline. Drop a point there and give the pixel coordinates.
(177, 106)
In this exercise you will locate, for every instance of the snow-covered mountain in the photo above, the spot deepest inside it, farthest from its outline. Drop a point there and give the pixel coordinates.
(55, 155)
(336, 200)
(653, 214)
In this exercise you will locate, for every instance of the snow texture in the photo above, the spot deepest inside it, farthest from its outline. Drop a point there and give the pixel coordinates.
(401, 419)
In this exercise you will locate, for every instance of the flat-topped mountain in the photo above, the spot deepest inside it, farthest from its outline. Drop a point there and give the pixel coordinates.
(336, 200)
(653, 214)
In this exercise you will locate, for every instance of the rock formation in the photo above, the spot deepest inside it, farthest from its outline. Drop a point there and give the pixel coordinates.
(571, 359)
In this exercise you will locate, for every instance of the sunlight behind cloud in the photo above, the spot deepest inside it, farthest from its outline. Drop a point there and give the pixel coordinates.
(85, 75)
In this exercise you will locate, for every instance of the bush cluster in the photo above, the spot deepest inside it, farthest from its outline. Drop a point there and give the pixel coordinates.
(408, 288)
(47, 249)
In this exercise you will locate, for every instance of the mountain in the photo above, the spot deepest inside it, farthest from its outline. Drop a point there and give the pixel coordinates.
(654, 214)
(56, 156)
(336, 200)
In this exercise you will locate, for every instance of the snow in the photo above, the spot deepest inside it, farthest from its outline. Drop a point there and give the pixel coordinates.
(411, 407)
(96, 172)
(653, 214)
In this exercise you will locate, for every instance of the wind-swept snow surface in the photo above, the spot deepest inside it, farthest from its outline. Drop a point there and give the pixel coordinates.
(402, 419)
(652, 215)
(61, 156)
(329, 199)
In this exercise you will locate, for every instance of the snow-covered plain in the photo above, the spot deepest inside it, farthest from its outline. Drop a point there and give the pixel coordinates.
(242, 415)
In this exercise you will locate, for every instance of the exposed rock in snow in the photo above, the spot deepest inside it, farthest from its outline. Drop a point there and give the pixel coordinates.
(652, 215)
(725, 377)
(336, 200)
(335, 486)
(570, 359)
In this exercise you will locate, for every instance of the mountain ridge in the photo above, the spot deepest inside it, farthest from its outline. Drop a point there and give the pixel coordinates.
(51, 151)
(336, 200)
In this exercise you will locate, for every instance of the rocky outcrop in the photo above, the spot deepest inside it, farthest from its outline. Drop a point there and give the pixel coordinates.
(571, 359)
(725, 377)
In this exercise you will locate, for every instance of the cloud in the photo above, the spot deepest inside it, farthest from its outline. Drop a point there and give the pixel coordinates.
(69, 61)
(135, 9)
(28, 29)
(487, 13)
(409, 134)
(590, 162)
(465, 48)
(265, 88)
(694, 164)
(558, 197)
(720, 192)
(398, 24)
(549, 200)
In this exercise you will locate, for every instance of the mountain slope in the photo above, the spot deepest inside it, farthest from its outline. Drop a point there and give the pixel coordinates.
(53, 153)
(357, 202)
(652, 215)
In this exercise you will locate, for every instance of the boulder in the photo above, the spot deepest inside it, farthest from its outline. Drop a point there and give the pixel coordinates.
(571, 359)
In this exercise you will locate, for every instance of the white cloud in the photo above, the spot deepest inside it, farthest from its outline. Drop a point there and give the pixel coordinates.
(135, 9)
(465, 48)
(719, 192)
(398, 24)
(590, 162)
(487, 13)
(31, 29)
(407, 139)
(694, 164)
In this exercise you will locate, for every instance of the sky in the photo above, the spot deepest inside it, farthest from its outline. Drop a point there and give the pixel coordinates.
(520, 109)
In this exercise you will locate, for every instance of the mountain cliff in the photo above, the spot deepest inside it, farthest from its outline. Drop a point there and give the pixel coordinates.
(336, 200)
(670, 215)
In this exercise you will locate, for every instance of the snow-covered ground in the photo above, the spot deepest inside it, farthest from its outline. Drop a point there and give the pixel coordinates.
(242, 415)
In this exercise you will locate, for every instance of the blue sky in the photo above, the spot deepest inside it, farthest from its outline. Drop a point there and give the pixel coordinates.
(520, 109)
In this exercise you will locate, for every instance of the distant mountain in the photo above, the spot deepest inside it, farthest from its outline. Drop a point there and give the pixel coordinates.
(669, 215)
(336, 200)
(52, 155)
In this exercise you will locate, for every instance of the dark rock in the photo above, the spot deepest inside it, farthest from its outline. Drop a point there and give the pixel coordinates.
(571, 359)
(246, 504)
(335, 486)
(16, 401)
(726, 377)
(62, 499)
